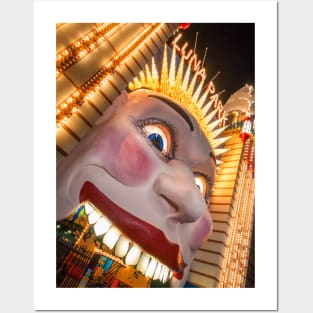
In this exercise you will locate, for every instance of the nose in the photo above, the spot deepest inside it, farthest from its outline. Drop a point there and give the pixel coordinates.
(178, 187)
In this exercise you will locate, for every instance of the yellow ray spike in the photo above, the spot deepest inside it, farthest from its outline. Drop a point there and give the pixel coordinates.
(217, 142)
(172, 68)
(137, 83)
(205, 108)
(186, 78)
(179, 75)
(148, 76)
(208, 118)
(213, 125)
(178, 81)
(217, 132)
(203, 98)
(219, 162)
(142, 78)
(192, 85)
(220, 151)
(155, 75)
(197, 92)
(164, 72)
(131, 86)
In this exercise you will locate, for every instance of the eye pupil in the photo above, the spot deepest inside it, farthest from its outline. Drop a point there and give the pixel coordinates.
(157, 140)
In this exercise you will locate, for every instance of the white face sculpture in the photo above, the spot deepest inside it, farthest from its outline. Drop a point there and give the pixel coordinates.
(149, 169)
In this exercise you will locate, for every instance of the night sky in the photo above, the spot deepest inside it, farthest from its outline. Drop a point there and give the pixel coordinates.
(230, 52)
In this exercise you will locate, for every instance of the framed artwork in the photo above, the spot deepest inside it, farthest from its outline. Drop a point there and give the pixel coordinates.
(160, 136)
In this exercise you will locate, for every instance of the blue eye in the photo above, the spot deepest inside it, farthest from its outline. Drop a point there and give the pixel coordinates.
(157, 140)
(159, 136)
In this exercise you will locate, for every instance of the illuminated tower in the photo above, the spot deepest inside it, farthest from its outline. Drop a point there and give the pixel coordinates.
(223, 260)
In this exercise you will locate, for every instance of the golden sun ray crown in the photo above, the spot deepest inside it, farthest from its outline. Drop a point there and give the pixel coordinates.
(180, 87)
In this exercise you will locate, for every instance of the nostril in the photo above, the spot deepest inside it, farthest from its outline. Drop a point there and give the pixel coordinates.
(175, 215)
(179, 214)
(182, 196)
(172, 204)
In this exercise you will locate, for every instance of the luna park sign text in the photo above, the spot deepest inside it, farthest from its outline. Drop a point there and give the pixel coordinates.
(192, 59)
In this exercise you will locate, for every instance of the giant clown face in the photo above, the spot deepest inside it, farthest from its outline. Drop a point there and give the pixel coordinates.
(147, 166)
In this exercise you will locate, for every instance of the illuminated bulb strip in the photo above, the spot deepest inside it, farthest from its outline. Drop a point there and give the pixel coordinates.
(231, 282)
(236, 241)
(65, 109)
(248, 231)
(86, 228)
(106, 71)
(84, 45)
(239, 235)
(226, 262)
(87, 90)
(231, 249)
(245, 231)
(108, 255)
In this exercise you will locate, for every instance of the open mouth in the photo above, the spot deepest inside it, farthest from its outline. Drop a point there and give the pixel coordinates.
(131, 239)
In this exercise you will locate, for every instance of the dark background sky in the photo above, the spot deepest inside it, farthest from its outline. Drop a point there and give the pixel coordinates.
(230, 52)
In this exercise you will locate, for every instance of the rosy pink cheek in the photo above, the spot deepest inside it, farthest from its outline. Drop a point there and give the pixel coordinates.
(134, 164)
(122, 155)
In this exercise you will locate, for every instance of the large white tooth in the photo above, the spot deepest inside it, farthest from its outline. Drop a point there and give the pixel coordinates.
(143, 263)
(171, 275)
(132, 256)
(157, 271)
(165, 275)
(111, 237)
(93, 217)
(151, 268)
(88, 208)
(121, 247)
(102, 226)
(162, 273)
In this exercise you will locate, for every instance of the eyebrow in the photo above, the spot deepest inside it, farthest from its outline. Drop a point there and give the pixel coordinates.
(177, 108)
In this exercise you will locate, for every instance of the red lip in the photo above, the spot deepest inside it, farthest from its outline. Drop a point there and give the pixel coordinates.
(150, 238)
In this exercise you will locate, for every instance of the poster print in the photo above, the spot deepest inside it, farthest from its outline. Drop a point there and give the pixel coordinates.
(155, 172)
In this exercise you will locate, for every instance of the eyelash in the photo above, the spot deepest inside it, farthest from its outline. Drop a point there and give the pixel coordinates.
(172, 133)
